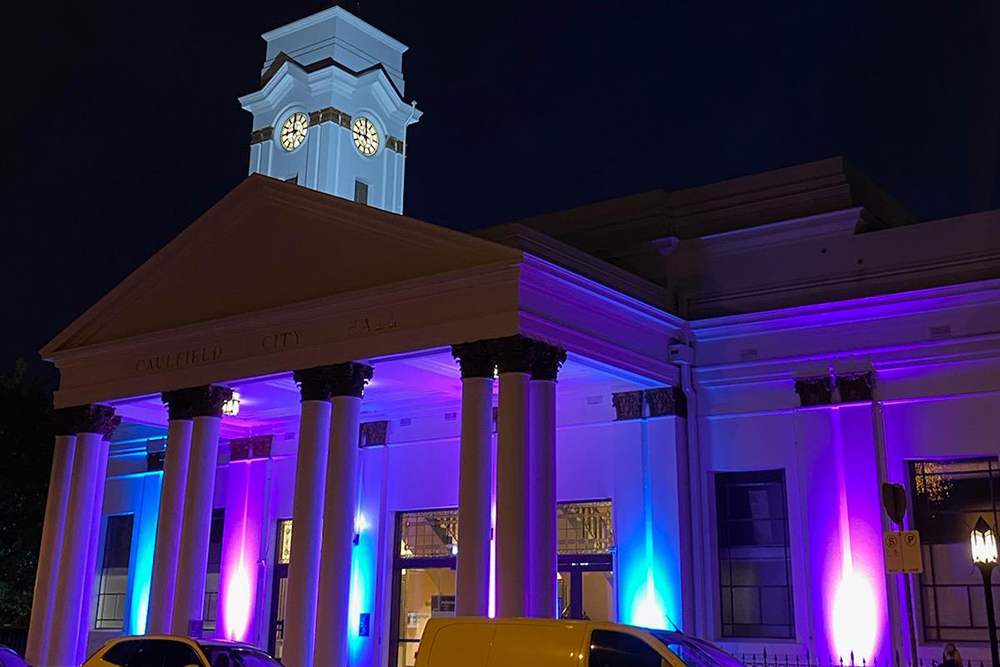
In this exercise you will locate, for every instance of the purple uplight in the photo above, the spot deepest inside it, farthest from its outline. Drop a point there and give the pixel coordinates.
(241, 547)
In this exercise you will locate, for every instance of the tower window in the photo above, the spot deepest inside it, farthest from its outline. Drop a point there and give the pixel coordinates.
(360, 192)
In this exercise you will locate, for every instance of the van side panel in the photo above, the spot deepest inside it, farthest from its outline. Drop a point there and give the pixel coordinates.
(460, 645)
(536, 645)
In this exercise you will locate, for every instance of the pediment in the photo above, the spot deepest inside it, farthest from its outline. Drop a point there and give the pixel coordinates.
(269, 244)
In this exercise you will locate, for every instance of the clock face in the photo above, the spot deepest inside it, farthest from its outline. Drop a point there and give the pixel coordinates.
(365, 136)
(293, 132)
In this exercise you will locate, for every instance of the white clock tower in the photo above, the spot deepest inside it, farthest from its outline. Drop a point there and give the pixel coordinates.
(330, 113)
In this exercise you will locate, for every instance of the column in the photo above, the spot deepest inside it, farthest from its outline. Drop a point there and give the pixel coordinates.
(180, 413)
(543, 558)
(307, 513)
(93, 548)
(52, 534)
(196, 524)
(347, 382)
(475, 477)
(94, 422)
(514, 365)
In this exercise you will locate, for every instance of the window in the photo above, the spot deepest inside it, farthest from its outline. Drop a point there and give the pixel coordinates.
(948, 497)
(755, 579)
(230, 655)
(360, 192)
(427, 552)
(151, 653)
(114, 573)
(617, 649)
(211, 603)
(121, 653)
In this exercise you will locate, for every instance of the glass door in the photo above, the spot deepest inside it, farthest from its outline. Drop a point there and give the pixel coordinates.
(585, 588)
(424, 581)
(279, 595)
(424, 593)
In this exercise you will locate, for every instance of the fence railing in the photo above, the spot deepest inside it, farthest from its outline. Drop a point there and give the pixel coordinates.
(15, 638)
(764, 659)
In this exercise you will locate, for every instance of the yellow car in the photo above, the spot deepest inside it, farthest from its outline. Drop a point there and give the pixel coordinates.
(523, 642)
(172, 651)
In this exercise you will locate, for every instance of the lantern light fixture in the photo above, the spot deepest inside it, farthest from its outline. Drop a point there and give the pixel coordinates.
(231, 408)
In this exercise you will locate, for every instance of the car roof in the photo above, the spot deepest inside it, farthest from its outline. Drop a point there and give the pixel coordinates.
(210, 641)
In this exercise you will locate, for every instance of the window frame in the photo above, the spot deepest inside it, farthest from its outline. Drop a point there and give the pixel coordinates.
(938, 632)
(733, 479)
(99, 623)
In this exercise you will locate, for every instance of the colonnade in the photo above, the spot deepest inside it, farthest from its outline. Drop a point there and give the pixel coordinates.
(324, 505)
(60, 612)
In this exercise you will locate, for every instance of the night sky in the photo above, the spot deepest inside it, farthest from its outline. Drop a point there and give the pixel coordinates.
(123, 123)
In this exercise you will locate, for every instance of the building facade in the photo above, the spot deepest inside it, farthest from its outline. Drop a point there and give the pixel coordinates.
(311, 423)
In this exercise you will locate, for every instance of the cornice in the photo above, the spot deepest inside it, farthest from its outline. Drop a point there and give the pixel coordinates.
(342, 14)
(533, 266)
(880, 307)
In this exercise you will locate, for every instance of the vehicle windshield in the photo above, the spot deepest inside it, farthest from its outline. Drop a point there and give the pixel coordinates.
(695, 652)
(229, 655)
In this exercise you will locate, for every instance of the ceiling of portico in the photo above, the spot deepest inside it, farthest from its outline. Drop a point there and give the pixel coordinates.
(421, 383)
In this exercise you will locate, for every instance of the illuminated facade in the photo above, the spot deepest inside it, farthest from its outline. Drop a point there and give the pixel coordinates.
(673, 410)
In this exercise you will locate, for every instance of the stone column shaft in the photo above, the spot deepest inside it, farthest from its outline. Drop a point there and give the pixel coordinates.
(307, 513)
(168, 526)
(334, 594)
(51, 547)
(338, 533)
(513, 438)
(73, 559)
(475, 497)
(192, 560)
(90, 573)
(543, 560)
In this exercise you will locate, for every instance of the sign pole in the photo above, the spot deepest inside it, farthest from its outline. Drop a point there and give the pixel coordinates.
(909, 556)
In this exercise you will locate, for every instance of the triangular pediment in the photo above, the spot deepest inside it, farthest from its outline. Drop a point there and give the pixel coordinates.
(269, 244)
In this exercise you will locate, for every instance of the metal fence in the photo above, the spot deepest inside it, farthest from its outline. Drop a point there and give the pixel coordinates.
(764, 660)
(15, 638)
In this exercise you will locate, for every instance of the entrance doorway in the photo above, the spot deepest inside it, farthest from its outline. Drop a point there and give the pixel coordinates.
(279, 596)
(586, 588)
(425, 559)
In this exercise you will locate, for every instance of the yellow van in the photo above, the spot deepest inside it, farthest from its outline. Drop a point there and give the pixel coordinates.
(523, 642)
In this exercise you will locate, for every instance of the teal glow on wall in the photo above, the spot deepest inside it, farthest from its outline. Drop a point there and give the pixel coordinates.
(145, 518)
(646, 525)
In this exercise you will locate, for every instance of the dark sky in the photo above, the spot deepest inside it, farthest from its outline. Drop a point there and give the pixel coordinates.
(123, 126)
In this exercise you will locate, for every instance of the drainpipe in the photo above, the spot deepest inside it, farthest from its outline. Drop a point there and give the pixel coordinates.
(682, 355)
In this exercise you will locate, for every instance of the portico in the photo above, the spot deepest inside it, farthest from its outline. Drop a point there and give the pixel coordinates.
(448, 323)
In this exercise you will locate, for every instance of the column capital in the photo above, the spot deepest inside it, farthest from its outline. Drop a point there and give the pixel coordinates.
(314, 383)
(112, 425)
(475, 359)
(191, 402)
(547, 361)
(666, 401)
(856, 387)
(90, 418)
(514, 354)
(349, 379)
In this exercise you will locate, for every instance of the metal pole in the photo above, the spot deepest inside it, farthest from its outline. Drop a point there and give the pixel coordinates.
(910, 621)
(991, 619)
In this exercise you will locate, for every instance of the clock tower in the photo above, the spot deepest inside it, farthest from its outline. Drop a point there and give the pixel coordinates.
(330, 113)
